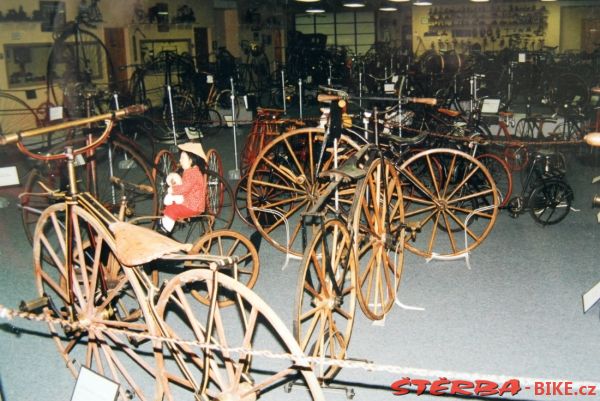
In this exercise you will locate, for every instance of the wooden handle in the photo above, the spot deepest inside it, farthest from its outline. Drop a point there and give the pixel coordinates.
(592, 139)
(324, 98)
(16, 137)
(423, 100)
(138, 187)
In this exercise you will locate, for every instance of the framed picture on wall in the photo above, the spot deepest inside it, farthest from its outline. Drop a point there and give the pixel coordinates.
(52, 14)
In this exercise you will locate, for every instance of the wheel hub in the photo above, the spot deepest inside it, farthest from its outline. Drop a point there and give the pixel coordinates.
(441, 204)
(328, 302)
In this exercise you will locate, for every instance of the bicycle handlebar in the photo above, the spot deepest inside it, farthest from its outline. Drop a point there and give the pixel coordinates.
(326, 98)
(129, 185)
(17, 137)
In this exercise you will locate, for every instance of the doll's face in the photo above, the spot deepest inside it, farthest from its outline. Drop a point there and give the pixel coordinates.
(185, 161)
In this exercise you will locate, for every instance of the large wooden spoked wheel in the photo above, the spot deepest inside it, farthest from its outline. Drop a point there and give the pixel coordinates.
(248, 323)
(291, 158)
(326, 296)
(439, 205)
(378, 238)
(105, 297)
(230, 244)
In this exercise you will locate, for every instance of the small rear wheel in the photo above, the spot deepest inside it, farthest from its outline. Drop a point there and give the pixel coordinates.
(550, 202)
(230, 244)
(213, 159)
(164, 163)
(220, 202)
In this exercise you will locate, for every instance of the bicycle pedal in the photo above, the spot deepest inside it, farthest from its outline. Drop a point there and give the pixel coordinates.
(34, 305)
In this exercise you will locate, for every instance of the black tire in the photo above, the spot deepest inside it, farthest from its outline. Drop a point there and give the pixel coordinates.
(210, 121)
(500, 173)
(16, 115)
(77, 61)
(550, 202)
(223, 102)
(524, 130)
(129, 165)
(184, 114)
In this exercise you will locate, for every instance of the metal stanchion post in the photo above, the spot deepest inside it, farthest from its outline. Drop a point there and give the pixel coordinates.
(234, 174)
(170, 97)
(360, 84)
(283, 91)
(300, 95)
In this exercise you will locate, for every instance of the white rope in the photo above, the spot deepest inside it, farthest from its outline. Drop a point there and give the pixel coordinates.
(288, 254)
(304, 360)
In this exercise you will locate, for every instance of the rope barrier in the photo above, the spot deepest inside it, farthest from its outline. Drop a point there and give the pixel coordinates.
(303, 360)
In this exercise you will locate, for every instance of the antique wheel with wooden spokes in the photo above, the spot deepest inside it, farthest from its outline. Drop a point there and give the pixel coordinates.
(231, 244)
(104, 297)
(463, 199)
(291, 159)
(214, 162)
(164, 163)
(326, 296)
(378, 237)
(222, 372)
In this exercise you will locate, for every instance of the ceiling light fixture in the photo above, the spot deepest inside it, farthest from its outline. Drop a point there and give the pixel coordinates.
(387, 8)
(399, 1)
(308, 1)
(354, 4)
(315, 10)
(480, 1)
(422, 3)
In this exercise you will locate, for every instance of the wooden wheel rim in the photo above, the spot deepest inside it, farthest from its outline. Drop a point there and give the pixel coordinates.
(439, 204)
(378, 236)
(323, 322)
(302, 185)
(229, 243)
(213, 373)
(114, 292)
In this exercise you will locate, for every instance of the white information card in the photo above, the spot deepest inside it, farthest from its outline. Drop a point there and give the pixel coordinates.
(91, 386)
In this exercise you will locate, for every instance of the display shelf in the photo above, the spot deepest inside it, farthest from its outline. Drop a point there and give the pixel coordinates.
(477, 21)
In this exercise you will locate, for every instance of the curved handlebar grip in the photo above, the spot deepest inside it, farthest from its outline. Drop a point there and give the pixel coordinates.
(16, 137)
(423, 100)
(131, 110)
(592, 139)
(138, 187)
(325, 98)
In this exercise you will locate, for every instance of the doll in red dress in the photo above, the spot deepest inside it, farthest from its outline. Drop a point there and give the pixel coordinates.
(186, 195)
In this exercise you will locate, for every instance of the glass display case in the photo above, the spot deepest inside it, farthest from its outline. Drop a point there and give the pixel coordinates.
(26, 63)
